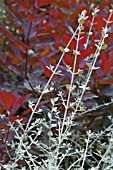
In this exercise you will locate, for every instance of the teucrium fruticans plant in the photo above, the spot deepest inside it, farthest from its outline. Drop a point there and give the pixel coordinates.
(60, 146)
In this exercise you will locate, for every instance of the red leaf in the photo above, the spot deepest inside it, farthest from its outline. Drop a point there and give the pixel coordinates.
(103, 56)
(74, 15)
(106, 2)
(15, 118)
(22, 99)
(6, 127)
(6, 32)
(18, 43)
(19, 103)
(105, 64)
(85, 53)
(27, 111)
(99, 23)
(92, 45)
(69, 60)
(82, 40)
(44, 2)
(45, 51)
(109, 81)
(66, 38)
(31, 17)
(47, 72)
(7, 99)
(64, 4)
(58, 15)
(23, 4)
(20, 29)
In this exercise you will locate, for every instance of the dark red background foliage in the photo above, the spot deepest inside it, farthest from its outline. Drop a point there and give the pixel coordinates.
(30, 35)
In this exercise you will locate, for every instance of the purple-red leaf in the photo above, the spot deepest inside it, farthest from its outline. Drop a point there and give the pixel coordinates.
(7, 99)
